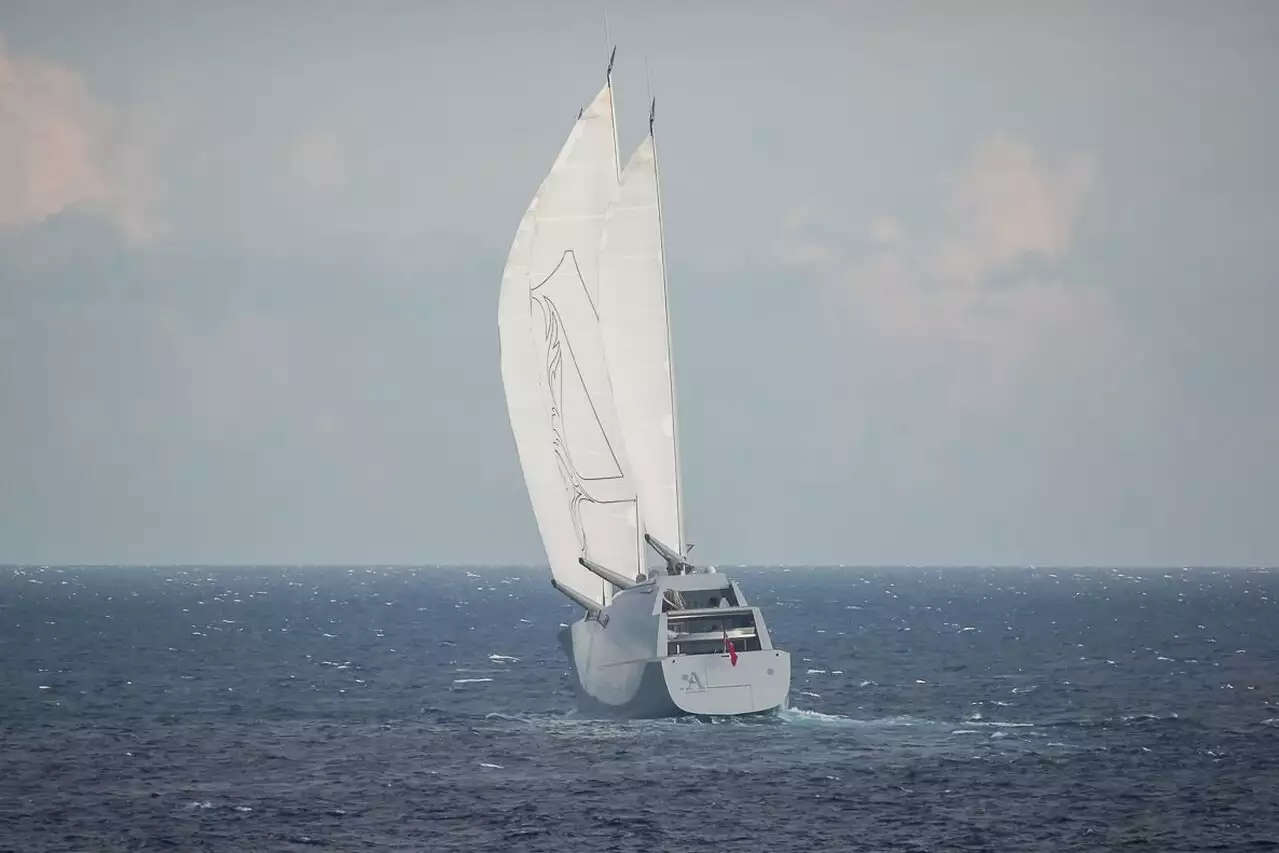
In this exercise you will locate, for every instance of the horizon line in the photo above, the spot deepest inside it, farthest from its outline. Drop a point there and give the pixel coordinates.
(719, 567)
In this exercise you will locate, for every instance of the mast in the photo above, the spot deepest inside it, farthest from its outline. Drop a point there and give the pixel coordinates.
(617, 162)
(608, 79)
(681, 542)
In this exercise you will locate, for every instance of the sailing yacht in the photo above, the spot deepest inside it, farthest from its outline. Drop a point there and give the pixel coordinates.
(584, 331)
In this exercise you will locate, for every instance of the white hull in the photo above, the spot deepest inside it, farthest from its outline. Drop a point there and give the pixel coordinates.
(629, 660)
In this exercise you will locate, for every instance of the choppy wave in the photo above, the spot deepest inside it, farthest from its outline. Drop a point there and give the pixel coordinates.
(427, 709)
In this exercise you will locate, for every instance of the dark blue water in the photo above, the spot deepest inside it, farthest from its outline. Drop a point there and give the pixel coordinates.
(430, 709)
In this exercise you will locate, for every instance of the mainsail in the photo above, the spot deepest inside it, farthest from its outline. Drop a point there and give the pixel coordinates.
(558, 391)
(635, 320)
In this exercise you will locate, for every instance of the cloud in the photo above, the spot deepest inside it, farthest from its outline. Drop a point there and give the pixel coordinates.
(1008, 205)
(961, 324)
(62, 148)
(318, 161)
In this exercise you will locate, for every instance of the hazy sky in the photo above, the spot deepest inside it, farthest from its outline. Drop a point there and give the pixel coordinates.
(952, 282)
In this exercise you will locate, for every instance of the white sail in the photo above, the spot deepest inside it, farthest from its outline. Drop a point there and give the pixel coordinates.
(635, 321)
(557, 386)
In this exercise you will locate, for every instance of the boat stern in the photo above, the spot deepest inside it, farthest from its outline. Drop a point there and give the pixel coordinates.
(716, 685)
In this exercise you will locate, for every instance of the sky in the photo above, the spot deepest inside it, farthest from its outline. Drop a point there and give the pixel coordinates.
(952, 283)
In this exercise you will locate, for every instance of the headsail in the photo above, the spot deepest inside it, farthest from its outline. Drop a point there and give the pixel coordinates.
(635, 320)
(558, 391)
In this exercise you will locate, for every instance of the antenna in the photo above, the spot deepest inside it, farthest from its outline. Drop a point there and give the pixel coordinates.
(609, 46)
(608, 81)
(608, 38)
(652, 102)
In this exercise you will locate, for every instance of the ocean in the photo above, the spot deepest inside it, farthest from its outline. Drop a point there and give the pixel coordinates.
(430, 709)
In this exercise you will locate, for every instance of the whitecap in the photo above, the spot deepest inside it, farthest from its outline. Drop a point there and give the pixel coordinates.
(802, 715)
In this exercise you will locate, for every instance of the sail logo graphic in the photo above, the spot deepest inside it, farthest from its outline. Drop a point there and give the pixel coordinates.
(578, 399)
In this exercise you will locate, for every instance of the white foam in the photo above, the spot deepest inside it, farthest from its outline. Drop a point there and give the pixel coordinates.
(803, 715)
(806, 716)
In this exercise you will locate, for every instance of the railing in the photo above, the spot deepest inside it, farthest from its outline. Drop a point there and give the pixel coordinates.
(710, 621)
(714, 645)
(697, 636)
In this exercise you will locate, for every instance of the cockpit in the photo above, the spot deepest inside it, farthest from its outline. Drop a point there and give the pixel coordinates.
(699, 599)
(703, 632)
(700, 619)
